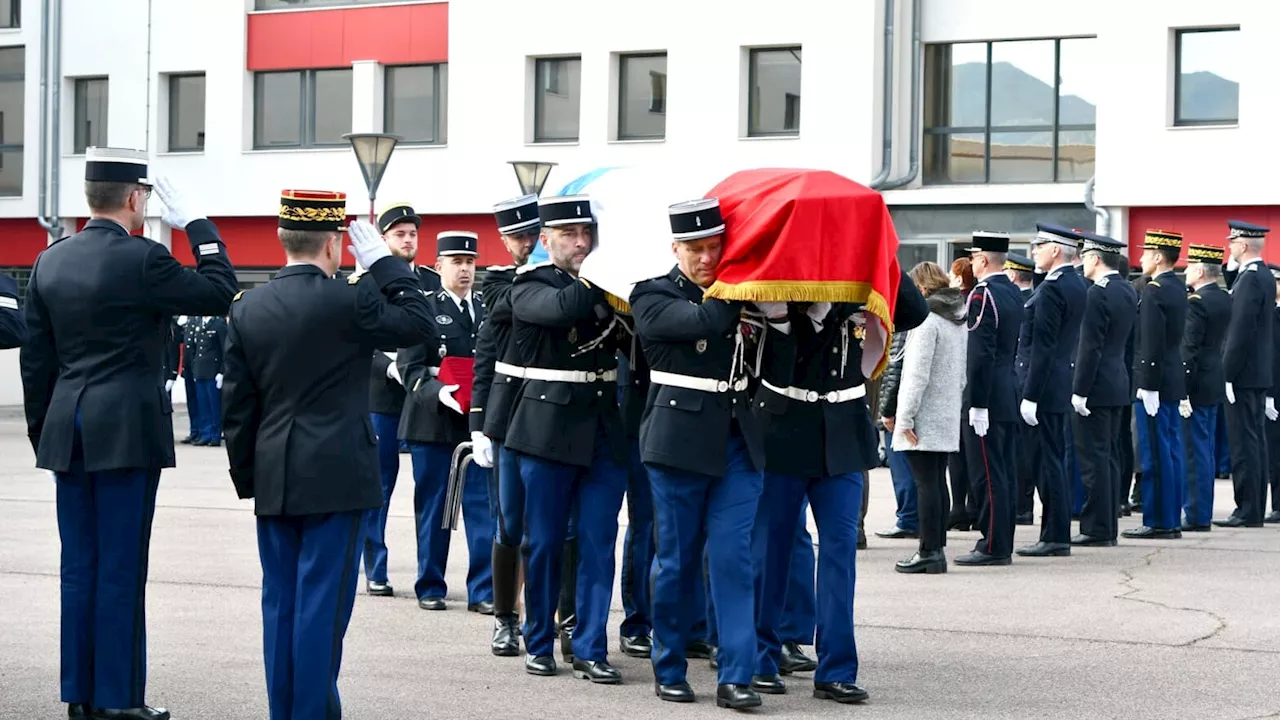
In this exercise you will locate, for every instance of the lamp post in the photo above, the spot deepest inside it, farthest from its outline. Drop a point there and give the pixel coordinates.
(373, 152)
(532, 175)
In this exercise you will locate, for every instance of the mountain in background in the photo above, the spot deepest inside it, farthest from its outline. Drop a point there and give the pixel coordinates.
(1209, 96)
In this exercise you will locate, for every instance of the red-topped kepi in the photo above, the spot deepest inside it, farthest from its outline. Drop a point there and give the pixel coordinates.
(313, 210)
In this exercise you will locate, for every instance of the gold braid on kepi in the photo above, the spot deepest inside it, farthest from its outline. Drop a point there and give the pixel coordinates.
(1206, 254)
(323, 210)
(1162, 239)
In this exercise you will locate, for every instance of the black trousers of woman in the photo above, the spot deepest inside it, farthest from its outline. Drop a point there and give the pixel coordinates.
(934, 503)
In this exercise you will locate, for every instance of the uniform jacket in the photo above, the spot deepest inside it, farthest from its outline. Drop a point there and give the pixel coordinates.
(1275, 357)
(1022, 361)
(13, 329)
(1208, 314)
(1162, 318)
(933, 377)
(1102, 374)
(295, 394)
(493, 395)
(1051, 333)
(425, 419)
(994, 320)
(205, 341)
(1247, 351)
(682, 333)
(97, 310)
(633, 377)
(562, 323)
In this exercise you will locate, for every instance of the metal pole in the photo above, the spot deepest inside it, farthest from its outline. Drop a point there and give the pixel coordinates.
(373, 214)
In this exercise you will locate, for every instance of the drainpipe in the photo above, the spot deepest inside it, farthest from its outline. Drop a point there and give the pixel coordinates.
(916, 80)
(1104, 215)
(886, 159)
(53, 45)
(45, 222)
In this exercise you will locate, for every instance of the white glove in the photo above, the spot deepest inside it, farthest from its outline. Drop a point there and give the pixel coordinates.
(818, 312)
(1081, 405)
(393, 373)
(1184, 408)
(182, 320)
(177, 212)
(1271, 410)
(168, 386)
(1028, 411)
(481, 449)
(1150, 401)
(217, 380)
(446, 398)
(1232, 265)
(366, 244)
(1231, 394)
(773, 310)
(980, 421)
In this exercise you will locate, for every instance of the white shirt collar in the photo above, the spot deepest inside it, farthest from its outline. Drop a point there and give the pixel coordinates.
(459, 300)
(1056, 268)
(990, 275)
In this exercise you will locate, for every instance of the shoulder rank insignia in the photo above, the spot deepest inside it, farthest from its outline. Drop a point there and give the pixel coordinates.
(1103, 282)
(1250, 267)
(530, 268)
(444, 319)
(1193, 296)
(1053, 275)
(1153, 283)
(238, 295)
(353, 279)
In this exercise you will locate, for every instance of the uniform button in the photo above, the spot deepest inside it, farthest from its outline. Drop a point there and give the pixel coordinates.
(673, 403)
(599, 393)
(834, 351)
(761, 404)
(542, 397)
(735, 401)
(833, 373)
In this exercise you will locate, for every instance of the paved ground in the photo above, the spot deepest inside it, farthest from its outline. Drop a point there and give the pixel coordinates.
(1173, 629)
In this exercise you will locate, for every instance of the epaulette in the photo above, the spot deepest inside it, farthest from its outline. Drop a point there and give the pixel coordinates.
(239, 295)
(1153, 283)
(354, 278)
(1251, 267)
(1053, 275)
(442, 295)
(1193, 296)
(1103, 282)
(980, 285)
(530, 268)
(499, 268)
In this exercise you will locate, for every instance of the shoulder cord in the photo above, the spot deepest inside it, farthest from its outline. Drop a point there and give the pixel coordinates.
(740, 350)
(631, 357)
(995, 312)
(593, 344)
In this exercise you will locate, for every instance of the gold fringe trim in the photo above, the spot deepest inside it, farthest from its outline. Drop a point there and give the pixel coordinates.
(618, 303)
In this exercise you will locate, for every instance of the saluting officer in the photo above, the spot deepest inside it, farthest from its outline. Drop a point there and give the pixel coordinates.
(1160, 378)
(1246, 364)
(995, 309)
(98, 417)
(569, 434)
(206, 370)
(1100, 388)
(1052, 331)
(492, 398)
(434, 421)
(299, 440)
(1021, 270)
(1208, 315)
(399, 225)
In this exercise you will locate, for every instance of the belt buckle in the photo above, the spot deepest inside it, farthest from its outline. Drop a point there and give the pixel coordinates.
(832, 396)
(591, 376)
(811, 396)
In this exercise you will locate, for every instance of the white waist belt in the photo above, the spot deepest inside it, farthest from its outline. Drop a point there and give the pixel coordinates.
(690, 382)
(514, 371)
(834, 396)
(569, 376)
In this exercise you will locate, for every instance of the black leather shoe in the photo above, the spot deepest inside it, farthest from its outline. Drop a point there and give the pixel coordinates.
(1025, 519)
(1236, 522)
(736, 697)
(679, 692)
(431, 603)
(841, 692)
(1272, 517)
(544, 665)
(640, 646)
(139, 713)
(714, 658)
(977, 557)
(1188, 527)
(959, 524)
(1150, 533)
(379, 589)
(793, 660)
(188, 440)
(1125, 511)
(208, 443)
(484, 607)
(930, 563)
(862, 545)
(896, 533)
(79, 710)
(769, 684)
(698, 650)
(1043, 549)
(597, 671)
(1083, 540)
(506, 636)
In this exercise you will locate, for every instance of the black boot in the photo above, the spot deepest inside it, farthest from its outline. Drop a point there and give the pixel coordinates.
(506, 622)
(568, 599)
(862, 520)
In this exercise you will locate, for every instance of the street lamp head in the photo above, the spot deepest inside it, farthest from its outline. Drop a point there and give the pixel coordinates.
(373, 151)
(532, 175)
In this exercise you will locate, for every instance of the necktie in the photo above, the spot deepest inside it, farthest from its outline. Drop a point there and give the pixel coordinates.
(466, 314)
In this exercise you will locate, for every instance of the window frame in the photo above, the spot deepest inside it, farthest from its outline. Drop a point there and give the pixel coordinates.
(622, 94)
(539, 89)
(15, 16)
(753, 99)
(20, 146)
(1178, 121)
(440, 91)
(76, 114)
(306, 109)
(173, 112)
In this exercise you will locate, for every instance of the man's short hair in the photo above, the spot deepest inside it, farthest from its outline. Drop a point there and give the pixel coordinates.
(304, 243)
(1212, 271)
(995, 259)
(1069, 253)
(1255, 243)
(104, 196)
(1111, 261)
(1023, 276)
(1169, 254)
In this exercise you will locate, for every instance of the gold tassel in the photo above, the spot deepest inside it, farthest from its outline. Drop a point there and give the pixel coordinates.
(618, 303)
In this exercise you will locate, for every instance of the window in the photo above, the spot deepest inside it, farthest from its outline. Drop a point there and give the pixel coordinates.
(186, 113)
(1206, 87)
(557, 99)
(91, 114)
(774, 86)
(12, 104)
(1010, 112)
(642, 97)
(301, 108)
(10, 13)
(284, 4)
(417, 103)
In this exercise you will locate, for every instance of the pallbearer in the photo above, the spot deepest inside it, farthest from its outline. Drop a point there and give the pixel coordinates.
(1208, 315)
(1020, 271)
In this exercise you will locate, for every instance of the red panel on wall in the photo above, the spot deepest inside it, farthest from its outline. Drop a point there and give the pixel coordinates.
(1201, 225)
(22, 239)
(392, 35)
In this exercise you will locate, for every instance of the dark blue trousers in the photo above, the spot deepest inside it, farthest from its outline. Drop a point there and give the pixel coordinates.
(309, 569)
(1162, 459)
(637, 549)
(194, 417)
(552, 491)
(1052, 481)
(430, 485)
(904, 487)
(992, 464)
(835, 501)
(1201, 430)
(693, 511)
(510, 525)
(1073, 470)
(1221, 446)
(104, 522)
(799, 612)
(210, 410)
(375, 539)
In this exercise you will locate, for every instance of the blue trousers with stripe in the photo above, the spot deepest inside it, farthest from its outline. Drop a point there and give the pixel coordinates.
(799, 611)
(430, 485)
(385, 427)
(1201, 431)
(509, 529)
(104, 522)
(637, 549)
(1163, 462)
(309, 569)
(210, 410)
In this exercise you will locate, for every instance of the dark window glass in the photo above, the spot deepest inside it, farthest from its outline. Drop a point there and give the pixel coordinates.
(90, 113)
(642, 97)
(911, 255)
(12, 106)
(417, 103)
(954, 158)
(278, 110)
(186, 113)
(774, 82)
(557, 99)
(1022, 157)
(1207, 80)
(10, 13)
(330, 106)
(301, 108)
